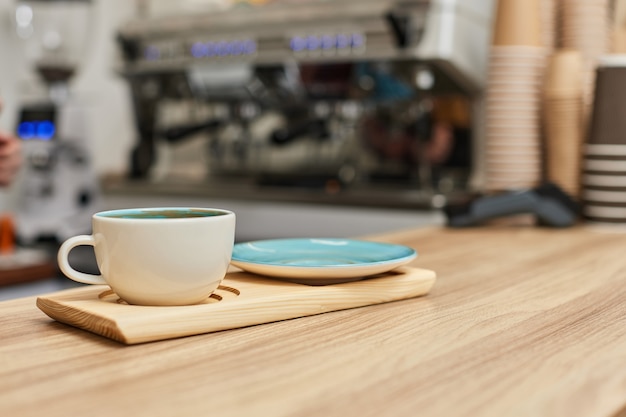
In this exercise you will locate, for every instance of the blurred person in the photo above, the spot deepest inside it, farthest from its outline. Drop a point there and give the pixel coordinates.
(10, 156)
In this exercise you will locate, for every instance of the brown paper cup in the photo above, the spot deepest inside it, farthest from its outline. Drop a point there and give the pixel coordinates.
(564, 74)
(619, 41)
(563, 142)
(608, 123)
(518, 22)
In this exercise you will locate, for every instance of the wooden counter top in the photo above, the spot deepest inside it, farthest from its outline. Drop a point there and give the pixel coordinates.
(521, 322)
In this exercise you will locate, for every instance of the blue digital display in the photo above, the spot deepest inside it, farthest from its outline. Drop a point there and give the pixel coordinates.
(249, 47)
(328, 42)
(357, 40)
(45, 130)
(152, 53)
(223, 48)
(26, 130)
(236, 48)
(312, 43)
(297, 43)
(343, 41)
(199, 50)
(41, 130)
(211, 49)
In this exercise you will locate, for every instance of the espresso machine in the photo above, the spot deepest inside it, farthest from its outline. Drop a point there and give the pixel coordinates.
(58, 190)
(342, 96)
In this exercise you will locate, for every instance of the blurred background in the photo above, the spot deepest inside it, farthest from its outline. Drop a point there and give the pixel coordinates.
(96, 85)
(305, 117)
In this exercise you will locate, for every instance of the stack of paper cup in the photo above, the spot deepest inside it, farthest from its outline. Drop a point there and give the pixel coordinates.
(586, 27)
(604, 162)
(518, 22)
(563, 120)
(618, 41)
(513, 98)
(549, 25)
(618, 37)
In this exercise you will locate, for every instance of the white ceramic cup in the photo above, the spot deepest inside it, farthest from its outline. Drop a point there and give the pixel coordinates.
(157, 256)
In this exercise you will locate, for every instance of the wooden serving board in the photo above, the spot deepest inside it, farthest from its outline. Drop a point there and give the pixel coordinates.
(242, 300)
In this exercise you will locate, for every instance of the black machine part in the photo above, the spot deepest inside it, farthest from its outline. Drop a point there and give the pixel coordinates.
(549, 203)
(316, 128)
(179, 133)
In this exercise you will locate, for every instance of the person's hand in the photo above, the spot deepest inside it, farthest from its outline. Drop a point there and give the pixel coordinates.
(10, 158)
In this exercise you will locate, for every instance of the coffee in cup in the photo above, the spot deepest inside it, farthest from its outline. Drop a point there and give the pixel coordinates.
(157, 256)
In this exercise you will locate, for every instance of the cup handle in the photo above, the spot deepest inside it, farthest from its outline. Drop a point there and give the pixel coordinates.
(71, 273)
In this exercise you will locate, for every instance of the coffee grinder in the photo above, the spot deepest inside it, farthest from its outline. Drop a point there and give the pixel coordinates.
(57, 191)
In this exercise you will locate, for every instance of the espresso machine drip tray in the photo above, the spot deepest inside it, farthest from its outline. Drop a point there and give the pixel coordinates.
(355, 101)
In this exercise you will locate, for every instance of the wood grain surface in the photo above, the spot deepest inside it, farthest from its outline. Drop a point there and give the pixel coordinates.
(521, 322)
(242, 299)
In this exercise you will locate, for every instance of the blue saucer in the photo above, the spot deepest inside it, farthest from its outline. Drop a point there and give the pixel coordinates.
(320, 259)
